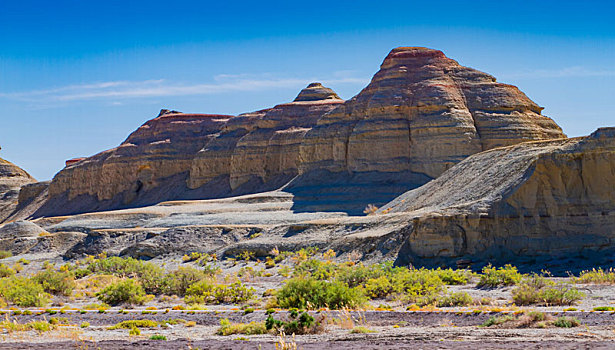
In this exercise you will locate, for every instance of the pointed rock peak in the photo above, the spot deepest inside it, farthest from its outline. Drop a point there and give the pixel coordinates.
(167, 111)
(316, 92)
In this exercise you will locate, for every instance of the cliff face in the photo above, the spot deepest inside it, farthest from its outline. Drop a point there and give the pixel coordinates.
(260, 151)
(177, 155)
(421, 114)
(12, 178)
(149, 166)
(548, 198)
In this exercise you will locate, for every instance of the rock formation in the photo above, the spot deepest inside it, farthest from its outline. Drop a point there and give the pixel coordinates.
(539, 204)
(536, 199)
(421, 114)
(151, 165)
(187, 156)
(12, 178)
(259, 151)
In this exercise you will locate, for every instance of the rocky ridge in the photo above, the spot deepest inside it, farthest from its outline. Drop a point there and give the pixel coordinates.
(472, 171)
(537, 203)
(421, 114)
(535, 199)
(12, 178)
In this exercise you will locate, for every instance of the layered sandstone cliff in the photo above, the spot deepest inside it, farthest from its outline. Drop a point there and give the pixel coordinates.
(177, 155)
(259, 151)
(421, 114)
(547, 198)
(12, 178)
(149, 166)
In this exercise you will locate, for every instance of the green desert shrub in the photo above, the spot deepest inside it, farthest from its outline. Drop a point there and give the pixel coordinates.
(311, 293)
(5, 254)
(317, 269)
(296, 322)
(598, 276)
(380, 287)
(454, 277)
(6, 271)
(361, 330)
(522, 320)
(130, 324)
(359, 274)
(208, 292)
(178, 281)
(502, 276)
(455, 299)
(228, 328)
(56, 282)
(23, 292)
(126, 291)
(38, 326)
(566, 322)
(149, 275)
(421, 287)
(536, 289)
(495, 321)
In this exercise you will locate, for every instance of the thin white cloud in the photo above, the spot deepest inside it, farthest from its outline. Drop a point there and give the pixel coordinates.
(118, 90)
(567, 72)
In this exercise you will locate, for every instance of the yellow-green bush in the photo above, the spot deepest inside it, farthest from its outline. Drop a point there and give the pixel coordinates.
(38, 326)
(317, 269)
(310, 293)
(495, 277)
(454, 277)
(455, 299)
(228, 328)
(56, 282)
(378, 287)
(598, 276)
(208, 292)
(149, 275)
(178, 281)
(126, 291)
(6, 271)
(130, 324)
(23, 292)
(418, 286)
(539, 290)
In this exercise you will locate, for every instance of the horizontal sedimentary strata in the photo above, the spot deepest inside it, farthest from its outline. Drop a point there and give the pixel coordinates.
(545, 198)
(12, 178)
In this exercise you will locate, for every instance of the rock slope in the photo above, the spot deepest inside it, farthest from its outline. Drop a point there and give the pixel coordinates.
(149, 166)
(540, 204)
(421, 114)
(177, 155)
(259, 151)
(547, 198)
(12, 178)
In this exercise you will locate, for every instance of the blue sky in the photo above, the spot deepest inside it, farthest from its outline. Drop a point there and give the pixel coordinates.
(76, 77)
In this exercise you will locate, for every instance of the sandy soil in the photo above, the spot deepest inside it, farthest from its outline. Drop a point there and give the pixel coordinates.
(391, 330)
